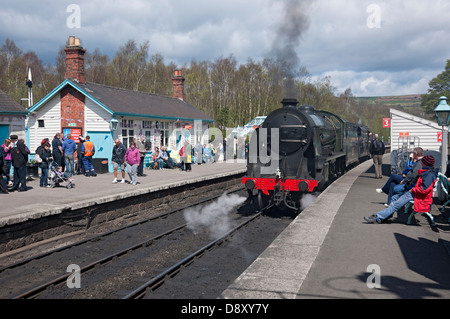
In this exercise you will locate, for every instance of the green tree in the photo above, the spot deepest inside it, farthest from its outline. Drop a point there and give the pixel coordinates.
(439, 86)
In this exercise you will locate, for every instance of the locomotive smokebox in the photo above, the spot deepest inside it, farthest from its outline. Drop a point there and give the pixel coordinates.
(289, 102)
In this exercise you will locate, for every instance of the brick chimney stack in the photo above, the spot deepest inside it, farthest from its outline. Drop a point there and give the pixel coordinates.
(178, 85)
(75, 61)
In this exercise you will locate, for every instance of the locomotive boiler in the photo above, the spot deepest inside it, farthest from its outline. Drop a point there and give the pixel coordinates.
(299, 150)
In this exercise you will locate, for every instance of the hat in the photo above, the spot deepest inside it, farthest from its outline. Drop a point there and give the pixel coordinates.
(428, 161)
(13, 137)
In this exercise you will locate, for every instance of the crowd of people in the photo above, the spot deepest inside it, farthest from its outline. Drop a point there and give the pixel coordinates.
(65, 155)
(416, 183)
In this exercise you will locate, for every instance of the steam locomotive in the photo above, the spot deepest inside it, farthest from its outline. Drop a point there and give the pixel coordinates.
(300, 150)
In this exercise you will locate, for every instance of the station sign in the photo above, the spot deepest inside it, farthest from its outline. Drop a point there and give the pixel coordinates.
(75, 132)
(386, 122)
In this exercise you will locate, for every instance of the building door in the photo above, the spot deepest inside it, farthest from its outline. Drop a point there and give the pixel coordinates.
(103, 142)
(4, 133)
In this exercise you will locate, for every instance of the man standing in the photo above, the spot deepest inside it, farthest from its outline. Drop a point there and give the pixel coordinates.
(69, 147)
(80, 167)
(140, 145)
(377, 150)
(118, 160)
(88, 151)
(19, 156)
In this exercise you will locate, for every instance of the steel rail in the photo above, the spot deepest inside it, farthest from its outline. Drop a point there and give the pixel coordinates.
(32, 293)
(159, 279)
(81, 242)
(37, 290)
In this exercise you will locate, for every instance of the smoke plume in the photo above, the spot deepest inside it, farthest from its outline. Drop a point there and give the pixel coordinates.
(295, 22)
(307, 200)
(213, 218)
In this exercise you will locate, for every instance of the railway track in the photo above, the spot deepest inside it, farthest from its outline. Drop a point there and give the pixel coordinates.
(158, 280)
(132, 259)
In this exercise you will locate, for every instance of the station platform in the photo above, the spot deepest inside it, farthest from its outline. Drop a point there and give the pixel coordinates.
(38, 202)
(330, 252)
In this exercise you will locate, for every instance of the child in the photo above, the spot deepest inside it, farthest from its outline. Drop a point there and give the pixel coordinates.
(60, 173)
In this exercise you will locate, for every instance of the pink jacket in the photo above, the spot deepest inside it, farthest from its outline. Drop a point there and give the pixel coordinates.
(132, 156)
(7, 150)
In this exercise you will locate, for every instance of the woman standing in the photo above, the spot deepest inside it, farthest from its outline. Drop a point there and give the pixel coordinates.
(46, 155)
(57, 149)
(133, 159)
(7, 158)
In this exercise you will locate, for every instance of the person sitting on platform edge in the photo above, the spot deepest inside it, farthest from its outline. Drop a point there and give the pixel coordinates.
(396, 183)
(158, 159)
(426, 178)
(88, 150)
(166, 157)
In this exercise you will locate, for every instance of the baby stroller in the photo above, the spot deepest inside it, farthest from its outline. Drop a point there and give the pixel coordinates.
(56, 178)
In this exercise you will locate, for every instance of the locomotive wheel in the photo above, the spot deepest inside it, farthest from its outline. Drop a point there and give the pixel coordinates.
(263, 200)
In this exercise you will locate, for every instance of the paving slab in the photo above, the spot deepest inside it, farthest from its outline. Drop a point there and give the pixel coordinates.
(329, 251)
(39, 202)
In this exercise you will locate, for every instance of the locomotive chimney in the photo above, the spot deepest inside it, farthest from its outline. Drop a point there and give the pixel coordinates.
(289, 102)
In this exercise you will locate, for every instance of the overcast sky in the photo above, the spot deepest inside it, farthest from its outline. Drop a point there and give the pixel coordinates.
(374, 47)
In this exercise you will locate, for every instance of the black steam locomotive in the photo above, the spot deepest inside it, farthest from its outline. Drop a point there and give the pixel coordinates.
(299, 150)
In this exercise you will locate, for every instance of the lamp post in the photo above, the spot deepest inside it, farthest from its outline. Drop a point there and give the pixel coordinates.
(443, 117)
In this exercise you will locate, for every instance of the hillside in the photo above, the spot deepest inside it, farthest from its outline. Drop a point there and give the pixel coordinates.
(407, 103)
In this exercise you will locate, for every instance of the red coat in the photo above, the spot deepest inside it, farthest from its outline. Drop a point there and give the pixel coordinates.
(423, 198)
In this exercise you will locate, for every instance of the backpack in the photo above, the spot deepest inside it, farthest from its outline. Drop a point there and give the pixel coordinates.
(377, 146)
(38, 158)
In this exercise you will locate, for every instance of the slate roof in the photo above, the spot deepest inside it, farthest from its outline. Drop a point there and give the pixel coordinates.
(123, 102)
(9, 106)
(128, 102)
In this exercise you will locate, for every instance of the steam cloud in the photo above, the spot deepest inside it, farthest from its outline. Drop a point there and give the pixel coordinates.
(213, 218)
(307, 200)
(294, 24)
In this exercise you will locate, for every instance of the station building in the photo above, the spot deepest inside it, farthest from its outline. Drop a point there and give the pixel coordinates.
(12, 117)
(409, 131)
(105, 113)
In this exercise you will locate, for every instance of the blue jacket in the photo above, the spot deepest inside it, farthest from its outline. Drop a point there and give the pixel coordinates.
(69, 146)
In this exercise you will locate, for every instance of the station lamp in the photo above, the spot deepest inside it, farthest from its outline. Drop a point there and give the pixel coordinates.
(113, 124)
(443, 112)
(443, 117)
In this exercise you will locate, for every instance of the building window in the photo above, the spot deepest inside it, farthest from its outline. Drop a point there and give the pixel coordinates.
(41, 123)
(125, 138)
(130, 136)
(164, 133)
(127, 123)
(147, 124)
(148, 140)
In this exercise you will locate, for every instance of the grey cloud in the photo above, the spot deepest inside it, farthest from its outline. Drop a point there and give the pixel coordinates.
(332, 38)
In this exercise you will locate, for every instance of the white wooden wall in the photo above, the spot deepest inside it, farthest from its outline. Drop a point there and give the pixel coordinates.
(50, 112)
(96, 119)
(426, 132)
